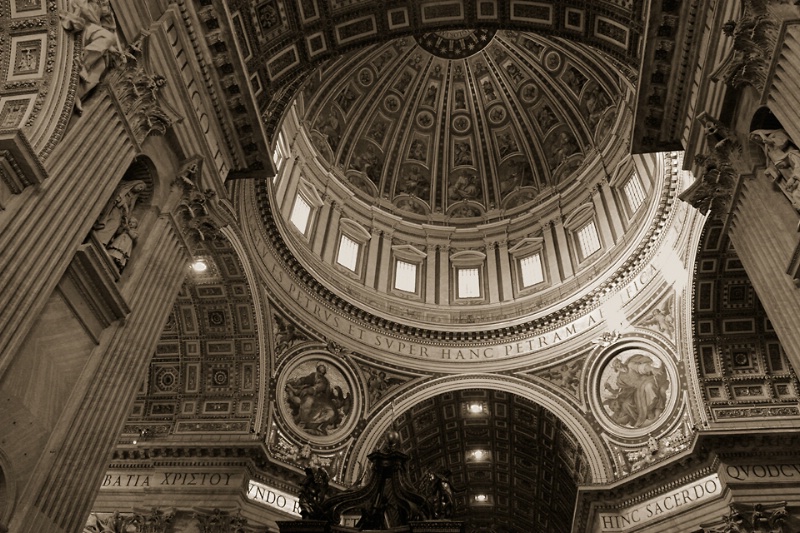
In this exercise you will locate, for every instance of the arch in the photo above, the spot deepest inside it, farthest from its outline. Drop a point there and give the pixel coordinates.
(600, 467)
(764, 119)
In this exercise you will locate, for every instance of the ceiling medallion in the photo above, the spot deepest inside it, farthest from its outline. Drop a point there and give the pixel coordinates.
(455, 44)
(318, 395)
(637, 388)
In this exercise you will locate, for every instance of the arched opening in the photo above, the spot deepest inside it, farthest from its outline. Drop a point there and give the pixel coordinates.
(514, 465)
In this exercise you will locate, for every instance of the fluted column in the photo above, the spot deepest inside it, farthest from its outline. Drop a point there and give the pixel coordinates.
(784, 99)
(40, 234)
(64, 483)
(764, 233)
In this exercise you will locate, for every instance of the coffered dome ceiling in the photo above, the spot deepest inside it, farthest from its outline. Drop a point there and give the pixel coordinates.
(454, 125)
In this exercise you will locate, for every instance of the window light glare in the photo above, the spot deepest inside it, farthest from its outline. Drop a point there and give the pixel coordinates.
(348, 253)
(478, 454)
(468, 283)
(199, 266)
(588, 239)
(481, 498)
(475, 408)
(300, 213)
(405, 277)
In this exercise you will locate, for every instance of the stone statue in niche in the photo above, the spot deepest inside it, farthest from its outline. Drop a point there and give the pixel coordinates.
(634, 389)
(117, 212)
(94, 20)
(783, 161)
(121, 245)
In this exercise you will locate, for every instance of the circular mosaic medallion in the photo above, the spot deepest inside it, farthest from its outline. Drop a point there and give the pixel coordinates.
(456, 44)
(461, 124)
(317, 396)
(365, 77)
(391, 103)
(528, 93)
(552, 60)
(424, 119)
(497, 114)
(637, 388)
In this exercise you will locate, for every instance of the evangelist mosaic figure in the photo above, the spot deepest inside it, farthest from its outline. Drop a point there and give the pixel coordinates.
(634, 389)
(317, 406)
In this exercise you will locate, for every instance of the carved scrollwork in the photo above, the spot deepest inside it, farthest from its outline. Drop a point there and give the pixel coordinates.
(152, 521)
(194, 207)
(752, 518)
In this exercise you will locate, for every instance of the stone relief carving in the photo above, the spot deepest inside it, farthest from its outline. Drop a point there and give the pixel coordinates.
(566, 375)
(655, 450)
(95, 22)
(661, 317)
(286, 334)
(380, 383)
(783, 161)
(713, 189)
